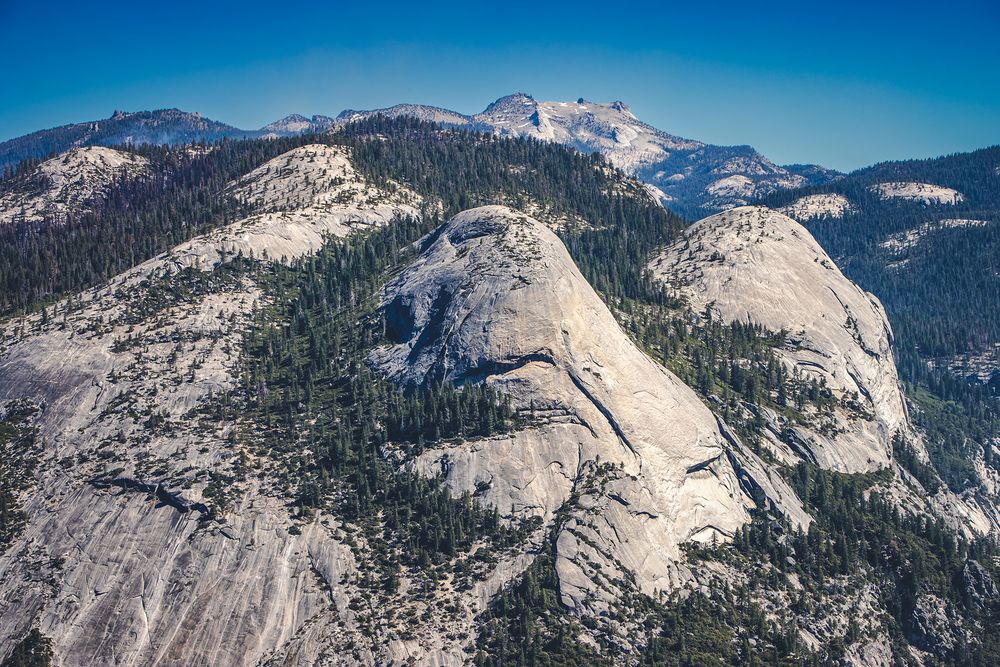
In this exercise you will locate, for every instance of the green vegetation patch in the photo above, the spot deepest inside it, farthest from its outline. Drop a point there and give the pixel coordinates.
(20, 449)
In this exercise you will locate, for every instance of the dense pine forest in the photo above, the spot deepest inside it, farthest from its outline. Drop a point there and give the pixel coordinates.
(940, 291)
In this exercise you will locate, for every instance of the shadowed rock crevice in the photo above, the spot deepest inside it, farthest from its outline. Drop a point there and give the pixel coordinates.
(491, 368)
(605, 412)
(164, 497)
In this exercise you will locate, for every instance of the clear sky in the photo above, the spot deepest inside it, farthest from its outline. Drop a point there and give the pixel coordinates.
(843, 84)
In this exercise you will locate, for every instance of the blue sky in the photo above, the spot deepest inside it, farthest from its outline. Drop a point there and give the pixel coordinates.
(844, 84)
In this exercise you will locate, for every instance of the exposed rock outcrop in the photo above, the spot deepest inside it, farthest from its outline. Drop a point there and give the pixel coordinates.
(110, 565)
(818, 206)
(495, 298)
(64, 185)
(925, 193)
(298, 199)
(118, 562)
(752, 264)
(900, 242)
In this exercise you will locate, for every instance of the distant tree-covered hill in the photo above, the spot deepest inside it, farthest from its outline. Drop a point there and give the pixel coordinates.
(164, 126)
(931, 255)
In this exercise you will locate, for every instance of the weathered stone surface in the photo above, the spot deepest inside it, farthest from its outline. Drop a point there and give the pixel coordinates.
(935, 627)
(66, 183)
(752, 264)
(925, 193)
(116, 576)
(818, 206)
(301, 198)
(115, 573)
(495, 298)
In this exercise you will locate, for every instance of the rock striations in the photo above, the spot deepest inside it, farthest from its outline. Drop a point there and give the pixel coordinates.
(635, 461)
(119, 563)
(752, 264)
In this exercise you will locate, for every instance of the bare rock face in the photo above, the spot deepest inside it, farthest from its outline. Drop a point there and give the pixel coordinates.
(298, 199)
(611, 129)
(810, 207)
(123, 560)
(925, 193)
(752, 264)
(634, 461)
(63, 185)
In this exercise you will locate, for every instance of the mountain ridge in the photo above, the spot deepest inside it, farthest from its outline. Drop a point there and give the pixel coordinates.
(696, 177)
(163, 126)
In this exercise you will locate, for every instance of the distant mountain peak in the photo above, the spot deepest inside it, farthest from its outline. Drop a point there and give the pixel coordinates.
(424, 112)
(161, 126)
(514, 97)
(510, 102)
(297, 124)
(697, 178)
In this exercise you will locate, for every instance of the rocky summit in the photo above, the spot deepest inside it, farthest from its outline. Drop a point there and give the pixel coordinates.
(690, 176)
(752, 264)
(496, 299)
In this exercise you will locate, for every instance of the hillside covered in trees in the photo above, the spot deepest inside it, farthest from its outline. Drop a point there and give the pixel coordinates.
(933, 264)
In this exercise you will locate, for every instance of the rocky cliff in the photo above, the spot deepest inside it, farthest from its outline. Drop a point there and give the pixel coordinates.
(637, 462)
(212, 457)
(122, 560)
(752, 264)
